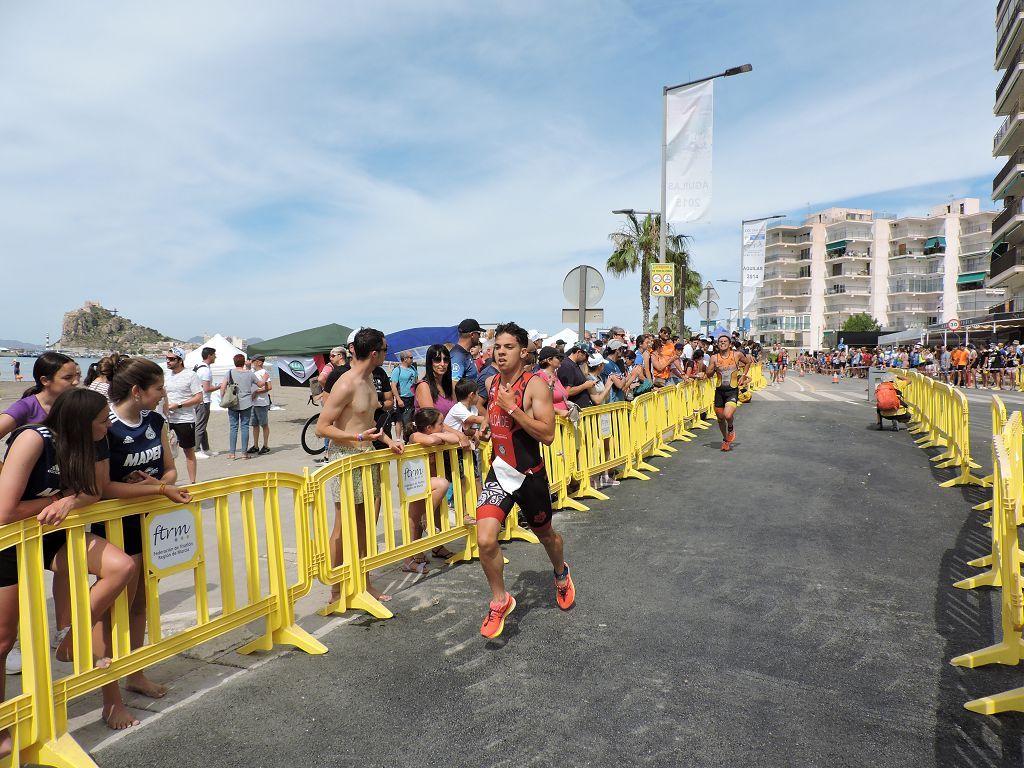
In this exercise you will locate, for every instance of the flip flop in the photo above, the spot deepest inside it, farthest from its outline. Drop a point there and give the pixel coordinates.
(442, 555)
(416, 567)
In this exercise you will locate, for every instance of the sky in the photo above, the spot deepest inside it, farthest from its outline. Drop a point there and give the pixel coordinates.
(258, 168)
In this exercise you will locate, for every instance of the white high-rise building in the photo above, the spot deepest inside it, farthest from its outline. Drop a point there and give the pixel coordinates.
(910, 272)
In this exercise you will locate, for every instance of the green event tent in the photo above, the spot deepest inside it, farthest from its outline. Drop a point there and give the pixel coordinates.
(313, 341)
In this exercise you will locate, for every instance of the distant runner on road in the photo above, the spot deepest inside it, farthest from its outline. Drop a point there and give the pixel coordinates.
(521, 416)
(726, 362)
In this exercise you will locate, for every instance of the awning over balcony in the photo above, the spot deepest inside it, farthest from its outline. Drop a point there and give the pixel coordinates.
(998, 249)
(835, 246)
(935, 242)
(971, 277)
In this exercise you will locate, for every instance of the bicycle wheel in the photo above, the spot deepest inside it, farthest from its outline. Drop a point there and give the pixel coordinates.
(312, 444)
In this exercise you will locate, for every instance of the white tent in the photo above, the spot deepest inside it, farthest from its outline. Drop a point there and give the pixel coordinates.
(223, 363)
(567, 335)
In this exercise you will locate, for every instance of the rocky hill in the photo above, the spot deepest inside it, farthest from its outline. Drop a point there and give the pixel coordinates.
(95, 327)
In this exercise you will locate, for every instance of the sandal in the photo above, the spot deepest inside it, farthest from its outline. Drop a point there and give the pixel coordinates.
(415, 566)
(442, 552)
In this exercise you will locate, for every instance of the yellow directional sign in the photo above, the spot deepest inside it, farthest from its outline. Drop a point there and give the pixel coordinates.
(663, 279)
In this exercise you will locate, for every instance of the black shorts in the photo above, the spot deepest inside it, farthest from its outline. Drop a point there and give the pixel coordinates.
(52, 543)
(725, 395)
(186, 434)
(132, 529)
(533, 498)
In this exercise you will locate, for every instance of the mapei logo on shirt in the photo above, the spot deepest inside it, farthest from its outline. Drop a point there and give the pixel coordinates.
(143, 457)
(54, 470)
(128, 439)
(150, 434)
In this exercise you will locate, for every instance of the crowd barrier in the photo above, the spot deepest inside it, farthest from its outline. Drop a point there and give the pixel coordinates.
(336, 543)
(939, 413)
(1008, 487)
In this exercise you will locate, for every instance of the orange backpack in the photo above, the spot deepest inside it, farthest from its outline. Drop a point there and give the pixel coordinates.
(887, 398)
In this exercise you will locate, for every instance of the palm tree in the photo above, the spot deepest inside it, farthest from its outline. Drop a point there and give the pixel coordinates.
(636, 248)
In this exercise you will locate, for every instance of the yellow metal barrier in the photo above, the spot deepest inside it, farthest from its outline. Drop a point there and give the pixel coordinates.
(940, 413)
(560, 459)
(605, 443)
(1008, 490)
(173, 543)
(380, 545)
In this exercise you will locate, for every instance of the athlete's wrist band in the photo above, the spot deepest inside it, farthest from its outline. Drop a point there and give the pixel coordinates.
(162, 486)
(359, 437)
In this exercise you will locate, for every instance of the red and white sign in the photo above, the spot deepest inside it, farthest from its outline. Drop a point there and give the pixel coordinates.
(953, 325)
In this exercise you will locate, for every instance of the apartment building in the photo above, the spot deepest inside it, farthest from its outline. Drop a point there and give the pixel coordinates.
(1006, 270)
(909, 272)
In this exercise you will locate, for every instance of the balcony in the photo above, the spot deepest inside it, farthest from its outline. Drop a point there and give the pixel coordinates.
(1009, 134)
(902, 308)
(1008, 92)
(1009, 220)
(1005, 265)
(785, 258)
(845, 253)
(1008, 28)
(1005, 182)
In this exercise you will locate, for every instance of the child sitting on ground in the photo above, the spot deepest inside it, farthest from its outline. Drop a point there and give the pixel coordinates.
(428, 430)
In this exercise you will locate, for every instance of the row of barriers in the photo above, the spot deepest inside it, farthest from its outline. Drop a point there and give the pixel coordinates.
(247, 548)
(936, 409)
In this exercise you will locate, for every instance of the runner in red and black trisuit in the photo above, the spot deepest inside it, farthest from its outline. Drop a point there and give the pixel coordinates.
(520, 417)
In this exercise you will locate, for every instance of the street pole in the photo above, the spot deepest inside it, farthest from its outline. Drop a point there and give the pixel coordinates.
(583, 302)
(663, 229)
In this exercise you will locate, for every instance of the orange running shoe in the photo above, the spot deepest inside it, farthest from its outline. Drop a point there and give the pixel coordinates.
(726, 446)
(731, 436)
(565, 595)
(496, 613)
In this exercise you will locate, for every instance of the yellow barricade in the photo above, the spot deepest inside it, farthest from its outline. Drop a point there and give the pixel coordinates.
(993, 576)
(605, 443)
(1008, 489)
(940, 413)
(173, 543)
(561, 459)
(386, 539)
(644, 431)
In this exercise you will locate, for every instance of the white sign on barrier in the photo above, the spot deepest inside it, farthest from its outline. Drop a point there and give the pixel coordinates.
(604, 425)
(415, 477)
(173, 539)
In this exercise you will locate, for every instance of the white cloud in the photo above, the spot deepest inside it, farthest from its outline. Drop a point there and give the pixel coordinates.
(429, 163)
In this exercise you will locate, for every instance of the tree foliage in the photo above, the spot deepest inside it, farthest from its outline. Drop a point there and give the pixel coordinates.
(862, 321)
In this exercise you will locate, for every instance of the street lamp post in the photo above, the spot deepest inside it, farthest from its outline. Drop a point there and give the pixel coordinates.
(743, 224)
(664, 157)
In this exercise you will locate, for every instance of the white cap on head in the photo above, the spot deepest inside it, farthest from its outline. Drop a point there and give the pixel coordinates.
(352, 336)
(595, 360)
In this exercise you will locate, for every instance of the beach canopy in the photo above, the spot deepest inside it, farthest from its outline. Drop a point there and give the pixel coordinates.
(416, 340)
(307, 343)
(568, 335)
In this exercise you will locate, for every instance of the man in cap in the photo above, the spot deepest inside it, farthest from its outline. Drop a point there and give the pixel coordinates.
(577, 386)
(183, 392)
(260, 407)
(463, 366)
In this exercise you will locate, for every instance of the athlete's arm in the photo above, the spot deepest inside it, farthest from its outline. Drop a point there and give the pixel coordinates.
(537, 400)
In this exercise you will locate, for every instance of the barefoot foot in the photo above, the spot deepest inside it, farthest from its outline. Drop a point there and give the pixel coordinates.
(117, 717)
(66, 649)
(377, 594)
(141, 684)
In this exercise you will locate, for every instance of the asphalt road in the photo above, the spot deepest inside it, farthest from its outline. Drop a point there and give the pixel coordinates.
(787, 604)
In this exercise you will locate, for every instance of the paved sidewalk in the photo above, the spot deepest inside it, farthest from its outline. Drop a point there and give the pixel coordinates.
(801, 614)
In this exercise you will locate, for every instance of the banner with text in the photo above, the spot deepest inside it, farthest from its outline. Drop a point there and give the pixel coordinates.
(753, 259)
(689, 118)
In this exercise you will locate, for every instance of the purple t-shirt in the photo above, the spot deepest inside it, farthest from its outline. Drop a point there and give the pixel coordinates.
(26, 411)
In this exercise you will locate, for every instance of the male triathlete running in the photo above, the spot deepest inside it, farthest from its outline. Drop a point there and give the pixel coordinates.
(726, 362)
(773, 361)
(783, 364)
(521, 416)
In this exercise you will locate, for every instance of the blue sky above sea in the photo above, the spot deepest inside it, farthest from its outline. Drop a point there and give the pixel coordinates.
(253, 169)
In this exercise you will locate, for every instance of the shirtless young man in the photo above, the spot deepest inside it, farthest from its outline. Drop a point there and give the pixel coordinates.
(726, 363)
(347, 421)
(521, 416)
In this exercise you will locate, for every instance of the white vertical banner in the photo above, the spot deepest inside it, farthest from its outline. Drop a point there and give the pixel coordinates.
(689, 119)
(754, 233)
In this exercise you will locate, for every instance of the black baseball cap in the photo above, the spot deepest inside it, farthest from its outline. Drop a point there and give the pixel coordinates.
(546, 353)
(469, 325)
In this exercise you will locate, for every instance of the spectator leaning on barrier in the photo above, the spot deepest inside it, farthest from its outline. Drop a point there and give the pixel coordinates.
(577, 386)
(184, 392)
(595, 373)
